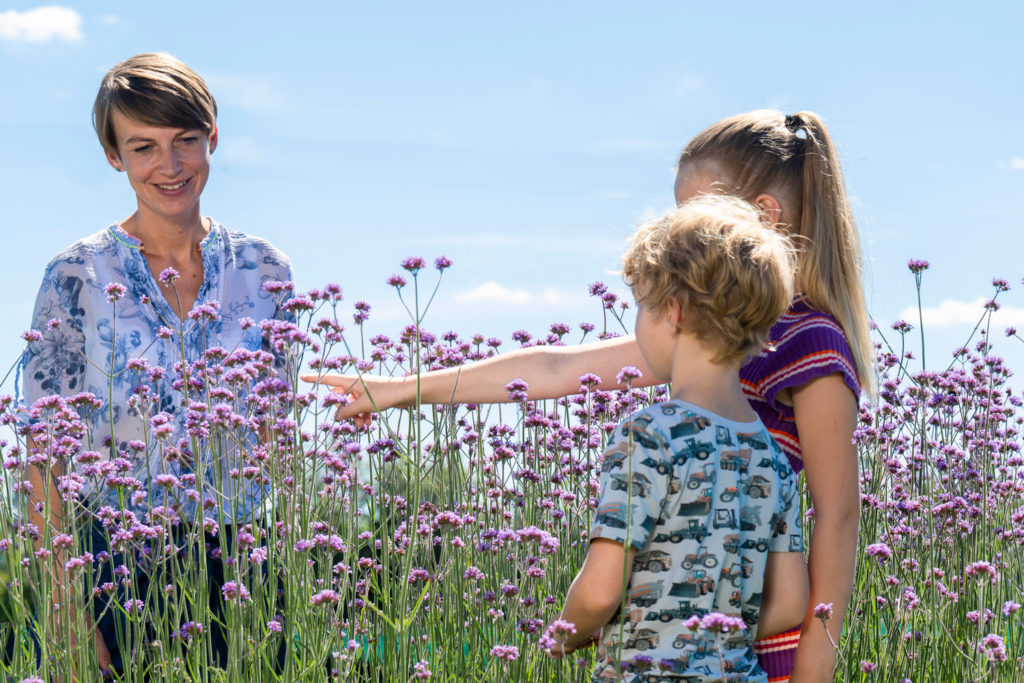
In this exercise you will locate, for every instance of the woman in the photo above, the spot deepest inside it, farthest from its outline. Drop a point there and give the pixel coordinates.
(121, 307)
(804, 385)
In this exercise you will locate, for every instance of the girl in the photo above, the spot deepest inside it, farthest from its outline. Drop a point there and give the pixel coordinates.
(804, 385)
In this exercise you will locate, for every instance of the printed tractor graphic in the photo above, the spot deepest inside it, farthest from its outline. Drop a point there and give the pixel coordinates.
(757, 487)
(701, 647)
(777, 464)
(613, 514)
(699, 506)
(727, 494)
(654, 561)
(757, 440)
(725, 518)
(698, 583)
(688, 426)
(644, 639)
(660, 466)
(707, 475)
(750, 517)
(738, 460)
(693, 449)
(696, 530)
(622, 482)
(701, 557)
(723, 437)
(737, 571)
(637, 430)
(646, 594)
(734, 599)
(685, 610)
(614, 458)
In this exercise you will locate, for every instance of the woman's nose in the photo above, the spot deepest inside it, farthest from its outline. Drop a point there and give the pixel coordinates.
(170, 162)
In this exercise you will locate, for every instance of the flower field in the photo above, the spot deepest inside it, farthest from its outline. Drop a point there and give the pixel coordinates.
(439, 542)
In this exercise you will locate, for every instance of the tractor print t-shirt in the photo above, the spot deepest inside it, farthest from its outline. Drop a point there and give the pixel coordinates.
(702, 499)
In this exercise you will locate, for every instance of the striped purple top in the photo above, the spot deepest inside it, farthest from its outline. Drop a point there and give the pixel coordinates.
(803, 345)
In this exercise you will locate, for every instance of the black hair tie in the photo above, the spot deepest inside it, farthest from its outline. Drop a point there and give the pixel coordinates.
(795, 125)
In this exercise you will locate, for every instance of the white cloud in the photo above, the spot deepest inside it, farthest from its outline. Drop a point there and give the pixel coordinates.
(952, 313)
(41, 24)
(246, 92)
(493, 292)
(1017, 163)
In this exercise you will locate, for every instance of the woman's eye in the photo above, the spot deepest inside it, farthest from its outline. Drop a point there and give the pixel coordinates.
(143, 148)
(190, 140)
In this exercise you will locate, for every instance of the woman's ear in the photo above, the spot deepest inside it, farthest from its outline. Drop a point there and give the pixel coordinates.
(770, 208)
(213, 138)
(114, 160)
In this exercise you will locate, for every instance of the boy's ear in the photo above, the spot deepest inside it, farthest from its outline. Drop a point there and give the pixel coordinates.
(674, 313)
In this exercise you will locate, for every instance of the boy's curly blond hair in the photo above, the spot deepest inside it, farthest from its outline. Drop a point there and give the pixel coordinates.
(731, 275)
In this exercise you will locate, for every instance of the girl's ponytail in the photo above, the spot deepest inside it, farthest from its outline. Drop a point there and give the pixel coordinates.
(793, 158)
(831, 268)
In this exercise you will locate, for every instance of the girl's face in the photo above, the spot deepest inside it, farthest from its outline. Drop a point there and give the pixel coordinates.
(693, 180)
(707, 177)
(167, 167)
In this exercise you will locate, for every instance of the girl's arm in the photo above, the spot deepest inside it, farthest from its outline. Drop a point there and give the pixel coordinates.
(596, 593)
(826, 415)
(550, 371)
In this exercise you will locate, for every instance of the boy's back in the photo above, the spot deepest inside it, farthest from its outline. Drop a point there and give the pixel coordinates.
(702, 499)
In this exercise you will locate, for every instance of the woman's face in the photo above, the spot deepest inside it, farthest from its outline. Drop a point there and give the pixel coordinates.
(167, 167)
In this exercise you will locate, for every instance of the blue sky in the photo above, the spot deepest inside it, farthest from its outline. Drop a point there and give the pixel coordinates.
(525, 141)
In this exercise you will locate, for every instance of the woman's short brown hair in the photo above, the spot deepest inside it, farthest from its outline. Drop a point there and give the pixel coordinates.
(153, 88)
(731, 275)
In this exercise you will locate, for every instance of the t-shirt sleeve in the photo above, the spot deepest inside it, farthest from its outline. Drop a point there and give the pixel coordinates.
(815, 348)
(632, 492)
(787, 534)
(54, 360)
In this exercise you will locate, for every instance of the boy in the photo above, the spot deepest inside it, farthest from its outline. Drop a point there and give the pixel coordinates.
(696, 501)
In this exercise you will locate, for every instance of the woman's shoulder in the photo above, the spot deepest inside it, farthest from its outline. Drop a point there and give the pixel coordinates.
(248, 249)
(84, 253)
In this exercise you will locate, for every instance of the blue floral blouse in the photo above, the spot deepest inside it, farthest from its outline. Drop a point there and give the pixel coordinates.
(91, 343)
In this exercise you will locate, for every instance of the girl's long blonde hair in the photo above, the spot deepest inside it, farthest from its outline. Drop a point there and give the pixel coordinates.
(793, 158)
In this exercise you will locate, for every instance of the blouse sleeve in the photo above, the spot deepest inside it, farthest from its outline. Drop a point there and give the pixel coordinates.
(813, 347)
(54, 360)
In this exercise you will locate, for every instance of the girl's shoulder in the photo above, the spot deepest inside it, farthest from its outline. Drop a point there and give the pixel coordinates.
(804, 344)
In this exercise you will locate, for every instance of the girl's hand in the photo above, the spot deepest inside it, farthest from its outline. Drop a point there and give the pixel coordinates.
(367, 394)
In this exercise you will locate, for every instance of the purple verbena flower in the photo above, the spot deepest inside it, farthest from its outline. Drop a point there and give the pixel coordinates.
(168, 276)
(115, 291)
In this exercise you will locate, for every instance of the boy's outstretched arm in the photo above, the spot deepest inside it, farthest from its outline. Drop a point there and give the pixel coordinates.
(550, 371)
(596, 593)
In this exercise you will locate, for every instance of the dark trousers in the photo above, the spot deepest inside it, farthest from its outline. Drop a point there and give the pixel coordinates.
(148, 582)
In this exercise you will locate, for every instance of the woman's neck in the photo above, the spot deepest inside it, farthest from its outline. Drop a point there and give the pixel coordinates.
(169, 240)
